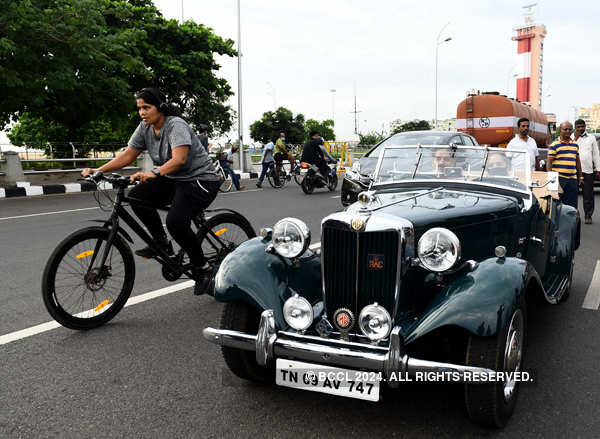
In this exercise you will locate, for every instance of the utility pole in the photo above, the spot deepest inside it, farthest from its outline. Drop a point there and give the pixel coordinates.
(240, 124)
(355, 114)
(182, 11)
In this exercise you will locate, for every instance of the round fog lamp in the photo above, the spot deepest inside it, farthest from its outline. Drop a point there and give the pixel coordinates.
(291, 237)
(375, 322)
(298, 312)
(438, 249)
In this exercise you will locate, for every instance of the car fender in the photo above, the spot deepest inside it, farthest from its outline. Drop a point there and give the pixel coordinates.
(569, 228)
(266, 280)
(480, 301)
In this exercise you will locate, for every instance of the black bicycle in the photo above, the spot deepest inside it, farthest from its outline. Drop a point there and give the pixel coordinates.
(277, 181)
(89, 276)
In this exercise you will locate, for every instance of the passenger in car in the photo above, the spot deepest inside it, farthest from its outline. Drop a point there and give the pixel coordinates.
(498, 164)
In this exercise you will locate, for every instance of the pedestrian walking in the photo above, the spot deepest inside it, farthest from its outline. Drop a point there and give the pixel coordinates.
(203, 136)
(522, 141)
(267, 161)
(563, 157)
(226, 161)
(590, 166)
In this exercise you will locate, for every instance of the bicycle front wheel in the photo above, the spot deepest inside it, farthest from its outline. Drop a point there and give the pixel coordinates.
(299, 175)
(277, 182)
(221, 234)
(78, 292)
(226, 181)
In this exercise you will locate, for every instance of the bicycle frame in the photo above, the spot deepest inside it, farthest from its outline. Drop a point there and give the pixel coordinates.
(119, 212)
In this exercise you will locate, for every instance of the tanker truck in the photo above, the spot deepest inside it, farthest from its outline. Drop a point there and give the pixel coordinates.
(492, 119)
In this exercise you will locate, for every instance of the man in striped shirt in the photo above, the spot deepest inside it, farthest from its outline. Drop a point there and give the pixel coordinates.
(563, 157)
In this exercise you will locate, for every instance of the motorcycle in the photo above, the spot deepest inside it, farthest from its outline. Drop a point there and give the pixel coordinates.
(313, 179)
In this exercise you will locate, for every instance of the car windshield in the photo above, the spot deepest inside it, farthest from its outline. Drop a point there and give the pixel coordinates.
(412, 138)
(479, 165)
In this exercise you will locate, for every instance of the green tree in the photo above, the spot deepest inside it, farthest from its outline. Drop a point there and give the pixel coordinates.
(371, 138)
(415, 125)
(324, 128)
(77, 63)
(273, 122)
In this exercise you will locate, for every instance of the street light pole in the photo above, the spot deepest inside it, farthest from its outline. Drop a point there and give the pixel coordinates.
(332, 90)
(437, 45)
(240, 124)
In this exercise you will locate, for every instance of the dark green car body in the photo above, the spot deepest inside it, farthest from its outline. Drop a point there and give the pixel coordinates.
(478, 298)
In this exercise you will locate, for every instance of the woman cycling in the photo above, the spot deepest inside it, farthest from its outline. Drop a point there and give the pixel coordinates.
(183, 176)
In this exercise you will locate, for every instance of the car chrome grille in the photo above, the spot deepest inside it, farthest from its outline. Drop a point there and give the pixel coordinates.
(342, 252)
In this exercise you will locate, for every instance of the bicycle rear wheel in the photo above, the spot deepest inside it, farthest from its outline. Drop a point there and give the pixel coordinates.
(78, 292)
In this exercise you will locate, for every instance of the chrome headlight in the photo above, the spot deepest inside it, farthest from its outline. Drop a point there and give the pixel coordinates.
(291, 237)
(375, 322)
(298, 312)
(438, 249)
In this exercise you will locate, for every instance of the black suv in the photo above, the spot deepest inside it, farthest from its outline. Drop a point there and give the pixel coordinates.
(357, 179)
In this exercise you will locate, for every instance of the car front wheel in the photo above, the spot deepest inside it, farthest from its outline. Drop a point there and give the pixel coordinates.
(240, 316)
(491, 404)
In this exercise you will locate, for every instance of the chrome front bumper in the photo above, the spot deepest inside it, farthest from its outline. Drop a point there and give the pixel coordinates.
(392, 362)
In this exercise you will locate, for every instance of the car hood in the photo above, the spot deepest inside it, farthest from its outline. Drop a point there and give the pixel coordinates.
(447, 208)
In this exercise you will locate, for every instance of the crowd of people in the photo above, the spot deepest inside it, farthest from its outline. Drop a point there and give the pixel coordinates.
(574, 155)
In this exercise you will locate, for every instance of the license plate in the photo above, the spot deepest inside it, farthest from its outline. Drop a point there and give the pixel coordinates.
(326, 379)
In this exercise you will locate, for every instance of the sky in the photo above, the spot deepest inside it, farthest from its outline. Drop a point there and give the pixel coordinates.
(385, 50)
(295, 52)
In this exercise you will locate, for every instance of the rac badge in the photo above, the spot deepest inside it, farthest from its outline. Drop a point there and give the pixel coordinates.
(357, 224)
(376, 262)
(343, 319)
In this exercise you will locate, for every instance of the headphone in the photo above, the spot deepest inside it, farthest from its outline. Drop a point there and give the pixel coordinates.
(162, 106)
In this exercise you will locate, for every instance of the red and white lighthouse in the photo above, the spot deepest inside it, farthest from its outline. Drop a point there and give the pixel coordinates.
(530, 53)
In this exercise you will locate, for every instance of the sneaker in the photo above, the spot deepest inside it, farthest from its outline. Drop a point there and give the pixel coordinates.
(148, 252)
(258, 184)
(588, 220)
(203, 277)
(241, 188)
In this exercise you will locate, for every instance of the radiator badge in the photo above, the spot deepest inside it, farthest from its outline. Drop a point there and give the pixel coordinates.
(376, 262)
(343, 319)
(357, 223)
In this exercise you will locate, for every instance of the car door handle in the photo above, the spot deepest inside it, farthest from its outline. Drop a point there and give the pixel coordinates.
(533, 238)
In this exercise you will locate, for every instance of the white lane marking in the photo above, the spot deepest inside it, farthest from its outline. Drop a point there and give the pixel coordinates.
(592, 297)
(47, 213)
(44, 327)
(240, 192)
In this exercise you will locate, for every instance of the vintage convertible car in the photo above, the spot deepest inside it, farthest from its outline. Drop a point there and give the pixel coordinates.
(426, 277)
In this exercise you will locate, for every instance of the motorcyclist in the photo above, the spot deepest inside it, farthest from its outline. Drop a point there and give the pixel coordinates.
(313, 154)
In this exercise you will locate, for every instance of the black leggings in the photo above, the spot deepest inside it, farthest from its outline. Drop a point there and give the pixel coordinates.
(187, 199)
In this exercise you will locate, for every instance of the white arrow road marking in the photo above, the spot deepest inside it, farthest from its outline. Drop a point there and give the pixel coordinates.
(44, 327)
(592, 297)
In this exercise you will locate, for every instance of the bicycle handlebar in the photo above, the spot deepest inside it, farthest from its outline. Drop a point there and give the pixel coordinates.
(114, 179)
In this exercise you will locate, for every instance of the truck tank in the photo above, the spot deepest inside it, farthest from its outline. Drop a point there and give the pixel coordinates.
(492, 119)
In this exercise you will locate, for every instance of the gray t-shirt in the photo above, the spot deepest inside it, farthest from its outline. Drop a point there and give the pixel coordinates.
(175, 132)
